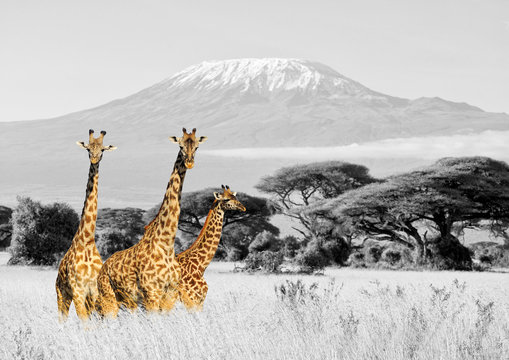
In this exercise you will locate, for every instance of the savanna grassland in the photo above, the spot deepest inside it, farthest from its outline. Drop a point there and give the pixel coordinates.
(345, 314)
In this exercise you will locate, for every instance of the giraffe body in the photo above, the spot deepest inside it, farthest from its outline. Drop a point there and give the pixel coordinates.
(79, 268)
(148, 272)
(194, 261)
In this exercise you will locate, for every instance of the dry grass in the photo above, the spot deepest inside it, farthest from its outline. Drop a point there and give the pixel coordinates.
(348, 314)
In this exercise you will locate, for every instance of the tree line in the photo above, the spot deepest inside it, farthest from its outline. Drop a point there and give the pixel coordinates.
(340, 215)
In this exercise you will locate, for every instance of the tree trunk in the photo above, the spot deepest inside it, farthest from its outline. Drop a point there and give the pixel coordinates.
(447, 253)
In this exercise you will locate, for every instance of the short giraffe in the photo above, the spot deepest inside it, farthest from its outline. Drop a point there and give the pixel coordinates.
(193, 261)
(148, 271)
(78, 270)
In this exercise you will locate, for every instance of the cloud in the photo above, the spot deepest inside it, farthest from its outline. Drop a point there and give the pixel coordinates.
(494, 144)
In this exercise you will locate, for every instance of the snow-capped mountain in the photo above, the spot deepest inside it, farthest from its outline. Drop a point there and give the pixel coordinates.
(243, 103)
(278, 102)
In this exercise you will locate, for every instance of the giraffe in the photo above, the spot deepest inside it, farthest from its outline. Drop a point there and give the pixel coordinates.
(148, 270)
(78, 270)
(193, 261)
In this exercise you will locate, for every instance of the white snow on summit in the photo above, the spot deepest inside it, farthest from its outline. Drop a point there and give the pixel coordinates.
(271, 74)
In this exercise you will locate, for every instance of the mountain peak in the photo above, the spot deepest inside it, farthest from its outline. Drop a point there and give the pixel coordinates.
(268, 75)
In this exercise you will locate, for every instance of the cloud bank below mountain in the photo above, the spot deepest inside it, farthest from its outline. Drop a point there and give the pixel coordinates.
(490, 143)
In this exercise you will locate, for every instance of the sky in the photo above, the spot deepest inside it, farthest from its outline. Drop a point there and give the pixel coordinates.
(62, 56)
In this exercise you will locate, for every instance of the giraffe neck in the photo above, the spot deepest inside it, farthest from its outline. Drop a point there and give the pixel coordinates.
(207, 242)
(86, 229)
(164, 226)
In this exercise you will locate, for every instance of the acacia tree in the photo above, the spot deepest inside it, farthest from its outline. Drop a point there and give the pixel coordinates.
(420, 209)
(296, 187)
(239, 229)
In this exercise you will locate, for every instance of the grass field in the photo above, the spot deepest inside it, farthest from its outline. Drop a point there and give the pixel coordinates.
(349, 314)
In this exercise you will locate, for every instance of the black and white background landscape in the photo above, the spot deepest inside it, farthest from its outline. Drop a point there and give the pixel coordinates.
(393, 85)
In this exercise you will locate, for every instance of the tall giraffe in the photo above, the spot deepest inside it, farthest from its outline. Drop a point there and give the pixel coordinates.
(78, 270)
(148, 270)
(195, 260)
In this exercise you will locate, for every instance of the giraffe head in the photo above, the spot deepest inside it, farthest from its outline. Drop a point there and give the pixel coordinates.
(95, 147)
(188, 145)
(228, 199)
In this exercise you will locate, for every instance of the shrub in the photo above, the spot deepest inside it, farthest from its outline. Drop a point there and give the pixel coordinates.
(357, 259)
(296, 293)
(267, 261)
(265, 241)
(312, 257)
(372, 252)
(396, 256)
(111, 241)
(291, 245)
(491, 254)
(5, 227)
(336, 250)
(41, 233)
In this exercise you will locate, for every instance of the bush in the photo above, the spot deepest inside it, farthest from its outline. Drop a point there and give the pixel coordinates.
(41, 233)
(382, 254)
(265, 241)
(111, 241)
(5, 227)
(231, 254)
(397, 256)
(312, 257)
(267, 261)
(291, 246)
(372, 252)
(491, 254)
(336, 250)
(448, 253)
(357, 259)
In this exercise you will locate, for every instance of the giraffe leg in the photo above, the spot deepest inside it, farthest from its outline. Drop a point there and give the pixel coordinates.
(106, 303)
(79, 300)
(127, 300)
(92, 297)
(187, 301)
(203, 295)
(152, 300)
(90, 304)
(64, 302)
(168, 300)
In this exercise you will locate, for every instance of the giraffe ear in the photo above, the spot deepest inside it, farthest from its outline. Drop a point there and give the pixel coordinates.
(82, 145)
(174, 139)
(217, 196)
(202, 139)
(109, 148)
(234, 193)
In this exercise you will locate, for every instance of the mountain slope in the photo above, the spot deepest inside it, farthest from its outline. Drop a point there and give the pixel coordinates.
(278, 102)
